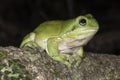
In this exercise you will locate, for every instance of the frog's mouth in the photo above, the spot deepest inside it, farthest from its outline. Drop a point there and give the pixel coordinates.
(77, 42)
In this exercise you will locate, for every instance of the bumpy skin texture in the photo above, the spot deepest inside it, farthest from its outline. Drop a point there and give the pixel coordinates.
(63, 40)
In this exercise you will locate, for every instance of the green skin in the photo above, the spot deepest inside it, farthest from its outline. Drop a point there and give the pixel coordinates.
(63, 40)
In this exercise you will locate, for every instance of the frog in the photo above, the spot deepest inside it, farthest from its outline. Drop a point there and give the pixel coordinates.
(63, 40)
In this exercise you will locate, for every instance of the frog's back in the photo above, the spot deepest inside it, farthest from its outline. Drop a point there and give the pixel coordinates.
(48, 29)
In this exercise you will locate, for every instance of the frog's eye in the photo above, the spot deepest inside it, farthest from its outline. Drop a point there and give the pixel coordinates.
(82, 22)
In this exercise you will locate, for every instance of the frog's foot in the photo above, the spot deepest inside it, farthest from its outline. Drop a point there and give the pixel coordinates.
(77, 62)
(74, 60)
(32, 45)
(67, 63)
(70, 59)
(63, 59)
(77, 59)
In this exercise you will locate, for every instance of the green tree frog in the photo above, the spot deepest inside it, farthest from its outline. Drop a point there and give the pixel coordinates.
(63, 40)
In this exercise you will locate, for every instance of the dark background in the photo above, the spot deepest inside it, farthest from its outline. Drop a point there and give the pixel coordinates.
(19, 17)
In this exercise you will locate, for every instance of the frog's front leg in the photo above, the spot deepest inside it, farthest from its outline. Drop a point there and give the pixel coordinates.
(77, 57)
(52, 50)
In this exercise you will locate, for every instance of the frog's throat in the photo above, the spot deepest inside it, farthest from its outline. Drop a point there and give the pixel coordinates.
(77, 42)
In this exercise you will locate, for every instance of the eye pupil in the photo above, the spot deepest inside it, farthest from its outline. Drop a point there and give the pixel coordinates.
(82, 22)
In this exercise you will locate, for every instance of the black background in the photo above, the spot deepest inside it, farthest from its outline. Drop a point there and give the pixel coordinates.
(19, 17)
